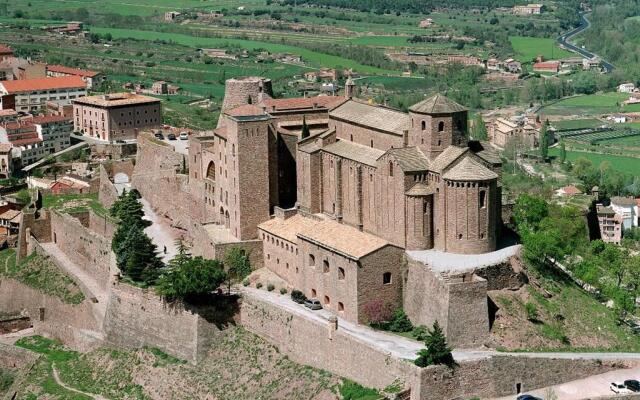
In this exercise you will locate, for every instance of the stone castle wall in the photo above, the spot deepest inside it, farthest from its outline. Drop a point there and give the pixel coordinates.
(13, 357)
(107, 194)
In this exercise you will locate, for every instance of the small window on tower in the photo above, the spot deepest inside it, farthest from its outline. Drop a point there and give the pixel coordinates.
(441, 126)
(390, 168)
(424, 125)
(483, 198)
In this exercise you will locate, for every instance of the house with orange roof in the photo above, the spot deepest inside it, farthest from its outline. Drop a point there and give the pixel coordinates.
(92, 78)
(33, 94)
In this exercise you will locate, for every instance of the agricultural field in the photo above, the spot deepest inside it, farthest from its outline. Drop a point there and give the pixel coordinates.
(587, 105)
(629, 165)
(575, 124)
(528, 48)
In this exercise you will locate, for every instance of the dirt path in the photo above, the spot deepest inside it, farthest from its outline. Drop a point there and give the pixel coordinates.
(56, 377)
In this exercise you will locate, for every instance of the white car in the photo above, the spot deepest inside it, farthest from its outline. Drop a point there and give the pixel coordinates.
(184, 136)
(619, 388)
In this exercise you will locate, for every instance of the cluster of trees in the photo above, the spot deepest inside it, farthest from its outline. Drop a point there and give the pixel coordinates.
(552, 233)
(136, 255)
(610, 181)
(401, 6)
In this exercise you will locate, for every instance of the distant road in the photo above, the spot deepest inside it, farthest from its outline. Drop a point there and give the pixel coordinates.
(566, 37)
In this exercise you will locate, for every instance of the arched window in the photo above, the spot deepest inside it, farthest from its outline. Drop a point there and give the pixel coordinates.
(211, 171)
(325, 266)
(341, 273)
(441, 126)
(312, 260)
(424, 125)
(386, 278)
(249, 100)
(313, 293)
(327, 300)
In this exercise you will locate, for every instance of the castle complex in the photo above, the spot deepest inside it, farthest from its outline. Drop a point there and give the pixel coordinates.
(341, 210)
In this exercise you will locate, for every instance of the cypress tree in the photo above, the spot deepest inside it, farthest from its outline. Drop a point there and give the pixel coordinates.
(563, 152)
(305, 128)
(436, 351)
(544, 141)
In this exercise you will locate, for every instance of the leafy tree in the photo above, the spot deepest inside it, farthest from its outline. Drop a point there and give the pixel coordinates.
(191, 279)
(377, 312)
(479, 131)
(305, 128)
(529, 211)
(238, 265)
(437, 352)
(544, 140)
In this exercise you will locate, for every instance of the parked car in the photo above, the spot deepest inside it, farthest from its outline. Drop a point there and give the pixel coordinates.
(159, 135)
(313, 304)
(527, 397)
(171, 136)
(184, 136)
(619, 387)
(632, 385)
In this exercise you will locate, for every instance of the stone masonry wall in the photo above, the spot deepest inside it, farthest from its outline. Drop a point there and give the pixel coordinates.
(107, 194)
(16, 357)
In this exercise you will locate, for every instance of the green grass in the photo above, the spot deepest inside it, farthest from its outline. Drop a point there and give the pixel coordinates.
(41, 274)
(312, 57)
(593, 104)
(575, 124)
(528, 48)
(350, 390)
(72, 203)
(628, 165)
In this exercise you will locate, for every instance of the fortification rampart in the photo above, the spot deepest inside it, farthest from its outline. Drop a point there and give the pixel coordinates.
(108, 193)
(16, 357)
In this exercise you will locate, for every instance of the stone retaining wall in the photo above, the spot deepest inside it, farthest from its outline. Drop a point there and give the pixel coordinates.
(12, 357)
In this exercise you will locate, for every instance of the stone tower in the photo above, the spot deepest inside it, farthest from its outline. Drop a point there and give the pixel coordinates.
(249, 90)
(437, 123)
(349, 89)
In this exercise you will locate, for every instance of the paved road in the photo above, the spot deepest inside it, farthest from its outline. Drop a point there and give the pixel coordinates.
(160, 233)
(588, 388)
(564, 40)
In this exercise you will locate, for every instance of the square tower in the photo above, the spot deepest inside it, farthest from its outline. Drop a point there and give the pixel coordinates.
(437, 123)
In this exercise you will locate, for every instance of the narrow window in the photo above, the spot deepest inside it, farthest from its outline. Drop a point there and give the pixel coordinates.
(386, 278)
(340, 306)
(424, 125)
(390, 168)
(441, 126)
(325, 266)
(483, 198)
(327, 300)
(312, 260)
(341, 273)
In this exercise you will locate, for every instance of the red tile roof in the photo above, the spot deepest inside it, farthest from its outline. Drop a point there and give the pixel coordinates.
(552, 65)
(245, 111)
(71, 71)
(571, 190)
(303, 102)
(22, 142)
(46, 119)
(5, 147)
(17, 125)
(8, 112)
(5, 49)
(29, 85)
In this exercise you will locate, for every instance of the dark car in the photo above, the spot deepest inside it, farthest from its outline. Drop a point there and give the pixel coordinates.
(632, 385)
(527, 397)
(159, 135)
(171, 136)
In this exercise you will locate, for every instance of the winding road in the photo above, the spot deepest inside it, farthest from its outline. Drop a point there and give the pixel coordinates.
(564, 41)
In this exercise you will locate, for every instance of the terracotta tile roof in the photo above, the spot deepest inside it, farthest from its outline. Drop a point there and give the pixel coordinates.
(29, 85)
(571, 189)
(623, 201)
(342, 238)
(287, 229)
(5, 49)
(302, 103)
(72, 71)
(410, 159)
(247, 110)
(23, 142)
(10, 214)
(421, 189)
(47, 119)
(5, 147)
(375, 117)
(437, 104)
(353, 151)
(469, 169)
(449, 155)
(115, 99)
(8, 113)
(554, 65)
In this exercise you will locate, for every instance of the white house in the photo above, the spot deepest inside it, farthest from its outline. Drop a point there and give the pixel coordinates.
(627, 88)
(626, 208)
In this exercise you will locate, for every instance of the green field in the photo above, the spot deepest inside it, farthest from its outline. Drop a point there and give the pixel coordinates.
(593, 104)
(314, 58)
(575, 124)
(628, 165)
(528, 48)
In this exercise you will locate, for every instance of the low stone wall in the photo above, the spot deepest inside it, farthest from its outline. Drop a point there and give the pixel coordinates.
(74, 325)
(499, 375)
(203, 246)
(83, 246)
(114, 151)
(12, 357)
(310, 342)
(138, 317)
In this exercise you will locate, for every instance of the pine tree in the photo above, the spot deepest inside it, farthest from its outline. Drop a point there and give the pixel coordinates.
(436, 352)
(305, 128)
(563, 152)
(143, 263)
(544, 141)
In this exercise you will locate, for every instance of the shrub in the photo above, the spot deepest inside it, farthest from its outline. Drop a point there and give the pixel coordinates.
(270, 287)
(245, 282)
(283, 290)
(190, 279)
(437, 351)
(298, 296)
(258, 285)
(351, 390)
(420, 333)
(400, 322)
(532, 312)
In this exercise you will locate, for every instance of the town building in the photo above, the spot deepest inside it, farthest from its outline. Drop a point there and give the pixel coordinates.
(626, 88)
(69, 184)
(116, 116)
(529, 9)
(92, 78)
(55, 131)
(338, 210)
(8, 115)
(568, 191)
(10, 221)
(610, 224)
(5, 52)
(6, 160)
(512, 66)
(426, 23)
(323, 75)
(591, 63)
(20, 68)
(33, 94)
(625, 207)
(547, 66)
(502, 130)
(171, 16)
(23, 137)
